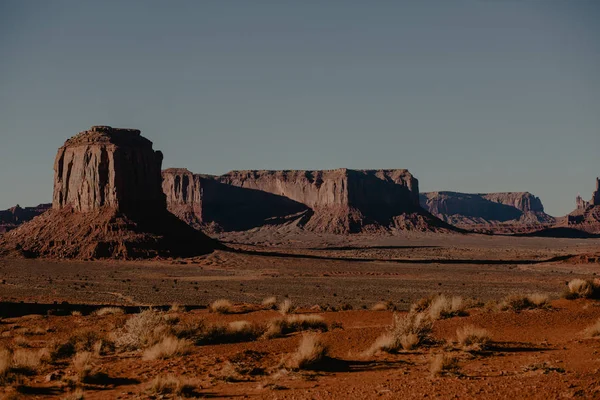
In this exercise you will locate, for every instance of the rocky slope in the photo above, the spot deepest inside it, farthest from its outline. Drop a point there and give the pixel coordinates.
(108, 202)
(334, 201)
(586, 216)
(17, 215)
(513, 211)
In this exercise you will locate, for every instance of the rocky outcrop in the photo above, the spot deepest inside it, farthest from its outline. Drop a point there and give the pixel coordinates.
(108, 202)
(336, 201)
(17, 215)
(586, 215)
(109, 167)
(513, 211)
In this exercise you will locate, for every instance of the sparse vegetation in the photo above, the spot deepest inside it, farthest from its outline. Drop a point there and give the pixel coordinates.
(285, 307)
(169, 346)
(593, 331)
(237, 331)
(383, 306)
(444, 364)
(584, 289)
(109, 311)
(141, 331)
(519, 302)
(82, 364)
(295, 323)
(472, 337)
(406, 333)
(442, 307)
(221, 306)
(166, 385)
(310, 353)
(270, 302)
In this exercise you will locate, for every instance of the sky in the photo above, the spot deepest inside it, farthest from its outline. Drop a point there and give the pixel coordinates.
(469, 95)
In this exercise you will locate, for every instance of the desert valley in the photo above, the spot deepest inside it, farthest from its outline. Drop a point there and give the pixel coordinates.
(138, 282)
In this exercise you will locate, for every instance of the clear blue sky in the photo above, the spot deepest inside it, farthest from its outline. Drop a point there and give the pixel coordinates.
(473, 96)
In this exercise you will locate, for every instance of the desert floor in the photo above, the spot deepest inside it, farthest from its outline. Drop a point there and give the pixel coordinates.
(534, 353)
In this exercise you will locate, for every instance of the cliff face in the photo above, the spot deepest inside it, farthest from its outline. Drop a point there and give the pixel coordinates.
(338, 201)
(108, 202)
(465, 209)
(586, 216)
(110, 167)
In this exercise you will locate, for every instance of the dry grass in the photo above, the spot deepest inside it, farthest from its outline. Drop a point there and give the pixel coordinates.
(472, 337)
(442, 307)
(444, 364)
(141, 331)
(295, 323)
(406, 333)
(168, 347)
(310, 353)
(519, 302)
(76, 313)
(5, 361)
(109, 311)
(383, 306)
(82, 364)
(221, 306)
(76, 395)
(27, 360)
(286, 307)
(177, 308)
(593, 331)
(201, 333)
(170, 385)
(584, 289)
(270, 302)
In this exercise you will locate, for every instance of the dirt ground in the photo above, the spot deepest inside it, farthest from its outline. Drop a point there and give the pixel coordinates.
(540, 353)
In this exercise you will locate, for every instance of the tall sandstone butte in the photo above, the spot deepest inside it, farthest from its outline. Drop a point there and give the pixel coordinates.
(586, 216)
(108, 202)
(334, 201)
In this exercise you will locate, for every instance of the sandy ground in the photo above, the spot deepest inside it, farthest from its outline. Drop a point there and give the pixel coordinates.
(541, 353)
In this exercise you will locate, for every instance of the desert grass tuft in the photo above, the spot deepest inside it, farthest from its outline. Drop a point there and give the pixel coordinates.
(383, 306)
(221, 306)
(286, 307)
(473, 338)
(406, 333)
(169, 346)
(170, 385)
(442, 307)
(582, 289)
(444, 364)
(295, 323)
(593, 331)
(519, 302)
(109, 311)
(270, 303)
(141, 331)
(310, 354)
(75, 395)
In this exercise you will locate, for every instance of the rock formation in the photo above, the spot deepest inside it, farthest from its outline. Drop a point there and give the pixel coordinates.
(586, 215)
(108, 202)
(17, 215)
(511, 211)
(334, 201)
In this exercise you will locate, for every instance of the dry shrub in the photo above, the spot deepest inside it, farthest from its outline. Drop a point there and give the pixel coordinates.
(109, 311)
(383, 306)
(310, 353)
(444, 364)
(27, 360)
(472, 337)
(519, 302)
(406, 333)
(170, 385)
(79, 341)
(442, 307)
(270, 302)
(168, 347)
(295, 323)
(141, 331)
(5, 362)
(584, 289)
(201, 333)
(176, 308)
(422, 304)
(593, 331)
(82, 364)
(286, 307)
(221, 306)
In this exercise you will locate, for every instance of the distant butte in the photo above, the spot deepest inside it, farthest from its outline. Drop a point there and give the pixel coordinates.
(107, 203)
(340, 201)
